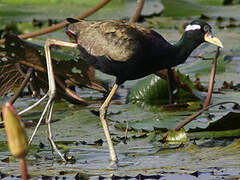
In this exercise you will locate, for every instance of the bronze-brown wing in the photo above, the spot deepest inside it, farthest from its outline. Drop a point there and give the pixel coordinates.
(116, 40)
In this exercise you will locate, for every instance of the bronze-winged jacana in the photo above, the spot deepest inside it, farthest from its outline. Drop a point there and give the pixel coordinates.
(125, 50)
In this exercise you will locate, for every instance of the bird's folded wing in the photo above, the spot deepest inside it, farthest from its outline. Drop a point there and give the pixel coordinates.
(116, 40)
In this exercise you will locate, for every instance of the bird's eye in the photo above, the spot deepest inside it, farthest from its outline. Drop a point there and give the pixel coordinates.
(206, 28)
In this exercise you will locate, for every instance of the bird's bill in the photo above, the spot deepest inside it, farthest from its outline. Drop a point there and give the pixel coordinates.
(213, 40)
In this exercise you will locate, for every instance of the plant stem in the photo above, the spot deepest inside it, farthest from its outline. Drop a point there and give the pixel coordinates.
(193, 116)
(23, 167)
(126, 134)
(22, 86)
(212, 79)
(138, 11)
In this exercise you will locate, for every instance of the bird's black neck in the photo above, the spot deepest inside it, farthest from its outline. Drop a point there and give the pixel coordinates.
(184, 48)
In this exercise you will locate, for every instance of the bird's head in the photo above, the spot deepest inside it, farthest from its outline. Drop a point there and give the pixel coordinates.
(201, 32)
(71, 29)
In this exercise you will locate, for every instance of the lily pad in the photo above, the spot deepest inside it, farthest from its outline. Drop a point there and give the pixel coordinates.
(228, 120)
(154, 91)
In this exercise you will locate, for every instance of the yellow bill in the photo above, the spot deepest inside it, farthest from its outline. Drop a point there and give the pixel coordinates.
(213, 40)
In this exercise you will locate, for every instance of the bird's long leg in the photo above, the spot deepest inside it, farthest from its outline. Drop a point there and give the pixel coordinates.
(103, 108)
(39, 122)
(168, 75)
(51, 81)
(170, 87)
(52, 86)
(103, 111)
(34, 105)
(52, 143)
(51, 92)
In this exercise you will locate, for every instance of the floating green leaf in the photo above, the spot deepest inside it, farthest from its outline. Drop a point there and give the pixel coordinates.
(176, 136)
(154, 91)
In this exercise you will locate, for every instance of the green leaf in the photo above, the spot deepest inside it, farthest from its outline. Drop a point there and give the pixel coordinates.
(151, 90)
(202, 67)
(221, 122)
(154, 91)
(176, 136)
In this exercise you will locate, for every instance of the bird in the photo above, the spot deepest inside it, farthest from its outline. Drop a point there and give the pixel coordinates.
(127, 51)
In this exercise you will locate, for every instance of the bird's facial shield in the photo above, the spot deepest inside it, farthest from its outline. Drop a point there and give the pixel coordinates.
(208, 37)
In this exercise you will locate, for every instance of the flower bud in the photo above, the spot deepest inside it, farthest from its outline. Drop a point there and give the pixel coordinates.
(17, 141)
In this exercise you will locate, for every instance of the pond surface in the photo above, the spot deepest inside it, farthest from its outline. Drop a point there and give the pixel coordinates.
(78, 132)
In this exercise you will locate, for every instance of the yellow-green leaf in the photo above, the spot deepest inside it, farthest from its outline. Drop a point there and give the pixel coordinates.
(176, 136)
